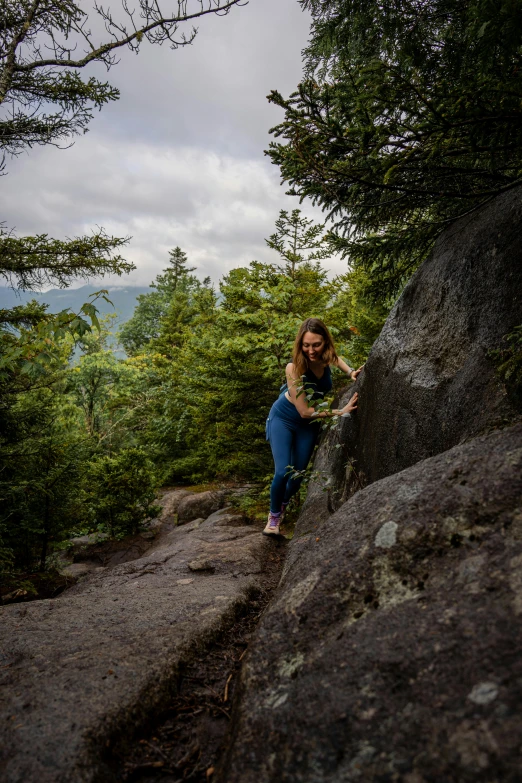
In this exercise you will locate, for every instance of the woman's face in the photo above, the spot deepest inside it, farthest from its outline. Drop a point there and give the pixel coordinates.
(313, 346)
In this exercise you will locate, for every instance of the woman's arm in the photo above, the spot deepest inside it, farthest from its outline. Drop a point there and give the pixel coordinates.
(297, 395)
(341, 364)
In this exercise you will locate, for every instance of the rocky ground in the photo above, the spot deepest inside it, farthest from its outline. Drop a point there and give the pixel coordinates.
(391, 649)
(80, 673)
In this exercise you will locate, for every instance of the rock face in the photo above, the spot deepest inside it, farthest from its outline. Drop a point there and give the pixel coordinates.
(86, 667)
(200, 505)
(170, 501)
(429, 383)
(392, 649)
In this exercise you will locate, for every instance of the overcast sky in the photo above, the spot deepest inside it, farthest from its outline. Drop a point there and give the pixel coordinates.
(178, 160)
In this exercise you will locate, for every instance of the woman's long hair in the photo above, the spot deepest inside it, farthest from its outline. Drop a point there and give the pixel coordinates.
(315, 326)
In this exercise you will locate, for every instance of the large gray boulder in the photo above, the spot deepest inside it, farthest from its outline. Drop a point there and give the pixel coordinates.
(201, 505)
(429, 382)
(170, 501)
(392, 649)
(80, 671)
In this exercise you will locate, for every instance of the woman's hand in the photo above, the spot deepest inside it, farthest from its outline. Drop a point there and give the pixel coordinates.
(355, 373)
(351, 405)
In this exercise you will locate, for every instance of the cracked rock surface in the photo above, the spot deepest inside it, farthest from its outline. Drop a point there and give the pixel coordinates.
(391, 650)
(93, 663)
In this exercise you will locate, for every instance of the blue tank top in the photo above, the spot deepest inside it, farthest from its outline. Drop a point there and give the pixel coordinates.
(318, 387)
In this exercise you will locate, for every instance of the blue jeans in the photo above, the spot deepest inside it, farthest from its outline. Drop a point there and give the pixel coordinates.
(292, 440)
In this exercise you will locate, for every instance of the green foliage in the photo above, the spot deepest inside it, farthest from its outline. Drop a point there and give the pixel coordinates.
(32, 262)
(297, 240)
(356, 310)
(53, 424)
(122, 491)
(29, 335)
(107, 390)
(42, 452)
(31, 338)
(508, 360)
(220, 396)
(408, 116)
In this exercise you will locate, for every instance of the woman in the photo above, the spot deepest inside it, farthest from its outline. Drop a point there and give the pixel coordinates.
(290, 426)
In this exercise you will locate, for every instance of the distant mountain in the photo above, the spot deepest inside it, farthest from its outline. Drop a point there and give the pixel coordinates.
(123, 298)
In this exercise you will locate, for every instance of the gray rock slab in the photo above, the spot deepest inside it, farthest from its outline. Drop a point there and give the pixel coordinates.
(77, 570)
(170, 501)
(95, 662)
(201, 504)
(391, 651)
(80, 560)
(429, 382)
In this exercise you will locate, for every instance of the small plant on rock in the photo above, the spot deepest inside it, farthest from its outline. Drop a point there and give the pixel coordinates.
(508, 360)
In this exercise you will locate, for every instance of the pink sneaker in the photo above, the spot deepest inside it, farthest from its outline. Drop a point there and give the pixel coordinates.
(272, 526)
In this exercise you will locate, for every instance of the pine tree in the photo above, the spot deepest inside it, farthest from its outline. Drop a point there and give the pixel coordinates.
(298, 241)
(170, 298)
(180, 270)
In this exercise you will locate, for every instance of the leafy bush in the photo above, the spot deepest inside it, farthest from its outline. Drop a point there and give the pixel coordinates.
(123, 490)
